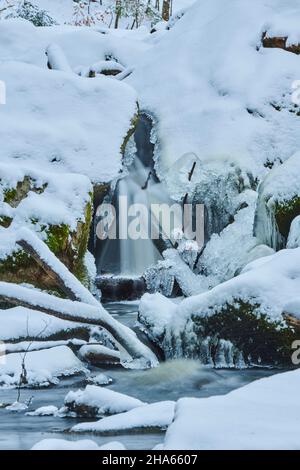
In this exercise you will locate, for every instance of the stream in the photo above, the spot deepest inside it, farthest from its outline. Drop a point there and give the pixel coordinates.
(170, 381)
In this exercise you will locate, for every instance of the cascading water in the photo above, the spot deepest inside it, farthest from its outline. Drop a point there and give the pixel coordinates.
(133, 251)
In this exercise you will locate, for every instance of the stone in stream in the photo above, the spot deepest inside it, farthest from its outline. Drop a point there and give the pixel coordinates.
(121, 288)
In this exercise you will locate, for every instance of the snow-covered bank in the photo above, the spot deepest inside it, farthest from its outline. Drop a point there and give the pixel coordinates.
(263, 415)
(146, 418)
(42, 368)
(84, 444)
(222, 111)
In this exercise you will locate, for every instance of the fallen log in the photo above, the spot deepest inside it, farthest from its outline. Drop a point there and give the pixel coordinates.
(57, 59)
(79, 312)
(292, 320)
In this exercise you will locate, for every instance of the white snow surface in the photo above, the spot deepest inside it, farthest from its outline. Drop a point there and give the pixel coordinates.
(43, 367)
(21, 323)
(152, 416)
(107, 401)
(219, 82)
(84, 444)
(63, 121)
(264, 415)
(271, 282)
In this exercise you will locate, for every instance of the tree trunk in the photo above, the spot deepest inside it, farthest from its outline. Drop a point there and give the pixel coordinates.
(80, 313)
(166, 10)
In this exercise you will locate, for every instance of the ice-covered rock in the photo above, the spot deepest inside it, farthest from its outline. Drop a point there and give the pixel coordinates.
(294, 234)
(278, 203)
(246, 310)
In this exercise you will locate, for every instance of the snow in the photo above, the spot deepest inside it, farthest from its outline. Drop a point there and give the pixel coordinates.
(263, 415)
(103, 400)
(72, 132)
(105, 355)
(143, 357)
(45, 254)
(148, 417)
(209, 115)
(49, 410)
(270, 284)
(19, 323)
(294, 235)
(84, 444)
(99, 379)
(43, 367)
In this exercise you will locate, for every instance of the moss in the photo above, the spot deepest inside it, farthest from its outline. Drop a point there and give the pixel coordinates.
(9, 195)
(57, 238)
(256, 336)
(5, 221)
(133, 123)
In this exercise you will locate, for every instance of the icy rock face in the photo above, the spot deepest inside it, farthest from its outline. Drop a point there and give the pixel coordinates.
(58, 208)
(278, 203)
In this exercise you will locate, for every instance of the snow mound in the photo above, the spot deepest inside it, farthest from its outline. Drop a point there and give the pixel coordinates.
(70, 132)
(263, 415)
(19, 323)
(149, 417)
(84, 444)
(211, 60)
(97, 401)
(42, 367)
(44, 411)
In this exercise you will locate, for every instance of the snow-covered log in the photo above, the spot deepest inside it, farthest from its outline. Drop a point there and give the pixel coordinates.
(82, 313)
(57, 59)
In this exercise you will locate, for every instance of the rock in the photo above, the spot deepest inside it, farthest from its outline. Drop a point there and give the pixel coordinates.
(97, 401)
(97, 354)
(120, 288)
(278, 203)
(280, 42)
(28, 201)
(294, 234)
(241, 321)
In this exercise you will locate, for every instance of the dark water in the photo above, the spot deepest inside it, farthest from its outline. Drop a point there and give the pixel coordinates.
(170, 381)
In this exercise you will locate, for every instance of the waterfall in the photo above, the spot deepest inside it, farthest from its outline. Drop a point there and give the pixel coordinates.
(124, 256)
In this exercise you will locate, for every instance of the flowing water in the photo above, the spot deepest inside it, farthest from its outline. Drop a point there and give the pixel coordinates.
(133, 251)
(170, 381)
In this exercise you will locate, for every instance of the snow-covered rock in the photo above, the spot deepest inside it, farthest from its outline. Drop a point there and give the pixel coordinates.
(97, 354)
(49, 410)
(246, 310)
(294, 234)
(278, 203)
(146, 418)
(99, 379)
(84, 444)
(97, 401)
(21, 323)
(42, 367)
(263, 415)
